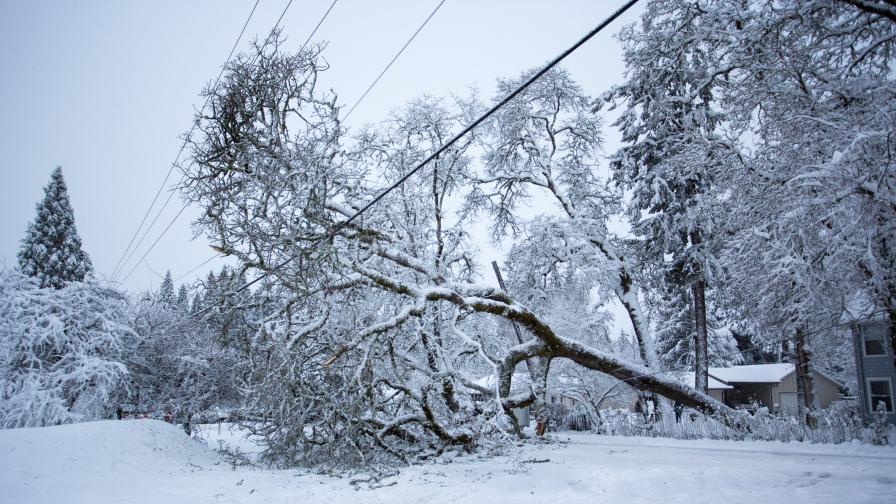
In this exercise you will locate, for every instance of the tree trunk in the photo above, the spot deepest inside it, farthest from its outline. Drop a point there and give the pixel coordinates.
(805, 385)
(537, 370)
(547, 344)
(892, 314)
(432, 360)
(701, 338)
(648, 382)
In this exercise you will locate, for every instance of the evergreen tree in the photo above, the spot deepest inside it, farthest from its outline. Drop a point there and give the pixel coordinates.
(673, 150)
(51, 250)
(197, 303)
(183, 299)
(676, 335)
(676, 329)
(166, 291)
(211, 290)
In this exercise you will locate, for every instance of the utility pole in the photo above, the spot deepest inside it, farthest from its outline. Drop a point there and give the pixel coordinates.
(519, 336)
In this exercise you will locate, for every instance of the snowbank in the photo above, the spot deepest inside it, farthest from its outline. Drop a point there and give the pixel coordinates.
(144, 461)
(88, 462)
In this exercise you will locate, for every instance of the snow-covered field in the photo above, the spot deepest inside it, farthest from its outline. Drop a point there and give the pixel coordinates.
(145, 461)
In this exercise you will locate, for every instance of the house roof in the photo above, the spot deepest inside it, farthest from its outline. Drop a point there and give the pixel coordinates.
(687, 378)
(754, 373)
(760, 373)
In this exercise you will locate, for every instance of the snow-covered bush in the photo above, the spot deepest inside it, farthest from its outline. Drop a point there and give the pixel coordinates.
(58, 351)
(839, 423)
(178, 367)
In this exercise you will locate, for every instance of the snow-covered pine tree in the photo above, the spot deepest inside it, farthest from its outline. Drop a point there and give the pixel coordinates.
(676, 330)
(211, 289)
(673, 150)
(166, 291)
(196, 303)
(51, 250)
(183, 299)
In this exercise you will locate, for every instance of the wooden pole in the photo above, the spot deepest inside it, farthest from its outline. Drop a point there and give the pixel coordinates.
(516, 329)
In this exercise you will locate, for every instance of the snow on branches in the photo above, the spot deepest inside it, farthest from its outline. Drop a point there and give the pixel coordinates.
(58, 351)
(376, 334)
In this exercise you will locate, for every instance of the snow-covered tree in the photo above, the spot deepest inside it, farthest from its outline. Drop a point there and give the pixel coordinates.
(675, 328)
(673, 152)
(547, 143)
(790, 104)
(177, 366)
(559, 278)
(166, 291)
(675, 333)
(375, 338)
(182, 303)
(59, 351)
(51, 250)
(814, 204)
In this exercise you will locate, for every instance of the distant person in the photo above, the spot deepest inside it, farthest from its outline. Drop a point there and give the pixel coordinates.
(679, 409)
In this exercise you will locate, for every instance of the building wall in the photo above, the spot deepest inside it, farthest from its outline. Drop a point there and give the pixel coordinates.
(522, 416)
(826, 390)
(874, 366)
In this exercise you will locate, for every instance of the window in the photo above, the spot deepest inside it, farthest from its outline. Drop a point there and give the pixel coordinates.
(874, 340)
(880, 391)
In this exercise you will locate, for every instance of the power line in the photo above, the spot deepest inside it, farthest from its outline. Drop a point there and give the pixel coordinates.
(181, 150)
(522, 87)
(394, 58)
(183, 146)
(140, 261)
(210, 259)
(322, 19)
(148, 229)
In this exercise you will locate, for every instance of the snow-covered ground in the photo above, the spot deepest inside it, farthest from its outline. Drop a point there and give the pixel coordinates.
(145, 461)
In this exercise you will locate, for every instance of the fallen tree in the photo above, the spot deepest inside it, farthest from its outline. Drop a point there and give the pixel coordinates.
(376, 333)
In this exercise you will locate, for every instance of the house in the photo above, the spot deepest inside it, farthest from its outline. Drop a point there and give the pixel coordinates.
(875, 356)
(770, 385)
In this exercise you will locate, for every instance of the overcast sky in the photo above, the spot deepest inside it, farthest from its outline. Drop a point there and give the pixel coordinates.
(105, 88)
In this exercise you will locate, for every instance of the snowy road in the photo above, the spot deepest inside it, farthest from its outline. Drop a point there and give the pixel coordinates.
(152, 462)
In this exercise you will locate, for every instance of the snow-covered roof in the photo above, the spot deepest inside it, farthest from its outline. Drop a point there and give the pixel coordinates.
(713, 383)
(755, 373)
(687, 378)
